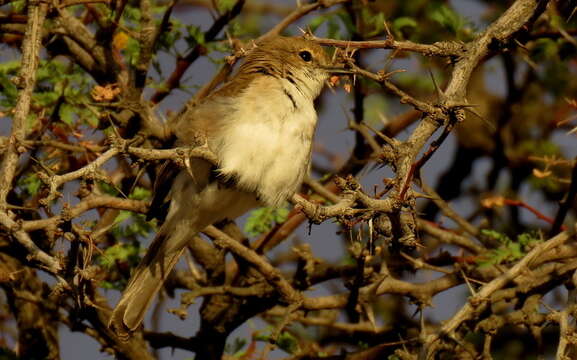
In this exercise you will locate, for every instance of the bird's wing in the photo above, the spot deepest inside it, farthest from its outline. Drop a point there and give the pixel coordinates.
(166, 174)
(189, 128)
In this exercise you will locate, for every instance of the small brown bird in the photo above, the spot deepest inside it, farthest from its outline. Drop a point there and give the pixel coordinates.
(261, 126)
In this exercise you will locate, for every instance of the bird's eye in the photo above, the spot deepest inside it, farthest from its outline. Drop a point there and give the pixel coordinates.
(306, 55)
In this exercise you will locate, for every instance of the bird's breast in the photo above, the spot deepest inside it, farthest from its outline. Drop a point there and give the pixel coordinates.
(266, 145)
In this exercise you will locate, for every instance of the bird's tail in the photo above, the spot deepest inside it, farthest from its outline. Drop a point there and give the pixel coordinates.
(161, 257)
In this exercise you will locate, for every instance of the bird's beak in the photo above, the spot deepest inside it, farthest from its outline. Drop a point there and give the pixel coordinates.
(337, 70)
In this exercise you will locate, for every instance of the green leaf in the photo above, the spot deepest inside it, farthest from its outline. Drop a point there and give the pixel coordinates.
(140, 193)
(67, 113)
(502, 238)
(18, 6)
(30, 183)
(448, 18)
(108, 189)
(167, 39)
(195, 36)
(10, 67)
(280, 215)
(538, 147)
(509, 250)
(378, 23)
(288, 342)
(122, 216)
(262, 220)
(544, 49)
(45, 98)
(529, 238)
(131, 225)
(333, 29)
(8, 91)
(556, 21)
(107, 285)
(132, 50)
(403, 23)
(374, 22)
(131, 14)
(119, 253)
(515, 250)
(128, 224)
(316, 22)
(225, 5)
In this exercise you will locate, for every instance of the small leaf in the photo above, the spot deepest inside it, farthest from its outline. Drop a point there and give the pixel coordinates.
(378, 22)
(403, 23)
(502, 238)
(122, 216)
(333, 29)
(225, 5)
(18, 6)
(67, 113)
(118, 253)
(108, 189)
(529, 238)
(167, 39)
(288, 342)
(30, 183)
(509, 250)
(316, 22)
(280, 215)
(132, 50)
(131, 14)
(544, 49)
(195, 36)
(140, 193)
(262, 220)
(448, 18)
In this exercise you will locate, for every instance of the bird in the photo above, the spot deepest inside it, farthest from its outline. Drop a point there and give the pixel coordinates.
(260, 125)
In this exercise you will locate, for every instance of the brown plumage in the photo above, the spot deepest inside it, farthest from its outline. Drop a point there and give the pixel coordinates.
(260, 125)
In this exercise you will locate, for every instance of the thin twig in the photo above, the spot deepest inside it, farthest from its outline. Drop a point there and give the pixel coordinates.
(436, 49)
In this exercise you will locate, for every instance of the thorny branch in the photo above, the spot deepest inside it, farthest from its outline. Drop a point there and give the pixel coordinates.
(26, 83)
(452, 49)
(181, 156)
(478, 302)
